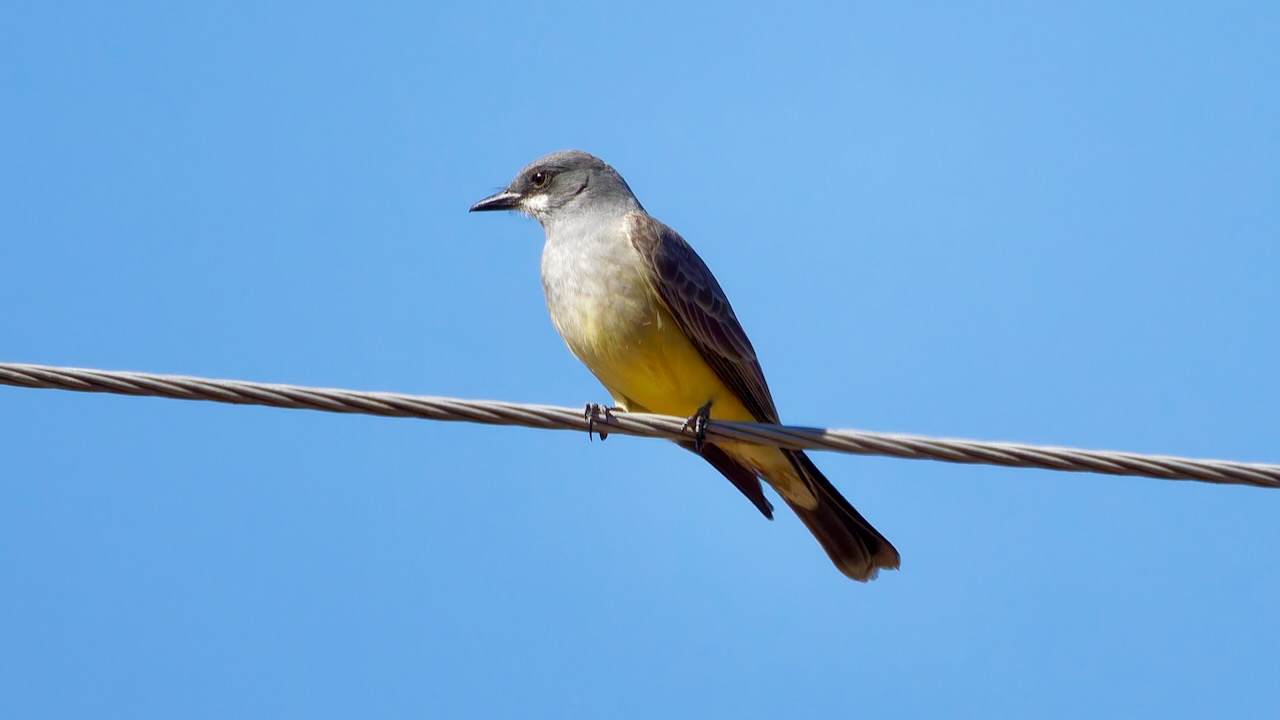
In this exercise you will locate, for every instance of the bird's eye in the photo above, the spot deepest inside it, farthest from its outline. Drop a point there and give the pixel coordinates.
(540, 179)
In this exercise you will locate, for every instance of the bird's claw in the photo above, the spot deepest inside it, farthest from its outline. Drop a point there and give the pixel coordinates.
(698, 423)
(595, 413)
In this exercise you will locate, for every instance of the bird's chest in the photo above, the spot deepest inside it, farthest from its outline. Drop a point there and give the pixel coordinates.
(599, 296)
(603, 300)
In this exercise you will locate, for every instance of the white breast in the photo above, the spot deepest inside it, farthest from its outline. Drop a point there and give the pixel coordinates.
(596, 287)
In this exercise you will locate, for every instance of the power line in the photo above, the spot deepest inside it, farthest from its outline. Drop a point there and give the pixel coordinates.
(914, 447)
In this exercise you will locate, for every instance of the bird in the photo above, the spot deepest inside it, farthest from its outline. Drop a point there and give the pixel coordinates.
(637, 305)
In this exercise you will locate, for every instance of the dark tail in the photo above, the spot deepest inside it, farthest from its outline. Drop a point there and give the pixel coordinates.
(742, 477)
(853, 545)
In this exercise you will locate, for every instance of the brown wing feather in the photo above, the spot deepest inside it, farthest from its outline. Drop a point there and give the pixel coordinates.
(742, 477)
(703, 312)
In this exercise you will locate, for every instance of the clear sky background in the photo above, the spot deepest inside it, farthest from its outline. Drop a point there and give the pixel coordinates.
(989, 221)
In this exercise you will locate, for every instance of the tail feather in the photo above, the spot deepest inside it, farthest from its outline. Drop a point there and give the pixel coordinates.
(742, 477)
(855, 547)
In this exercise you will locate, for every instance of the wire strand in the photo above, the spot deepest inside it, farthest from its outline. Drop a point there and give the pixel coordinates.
(489, 412)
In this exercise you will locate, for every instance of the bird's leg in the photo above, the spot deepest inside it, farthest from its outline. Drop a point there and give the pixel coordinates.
(594, 413)
(698, 423)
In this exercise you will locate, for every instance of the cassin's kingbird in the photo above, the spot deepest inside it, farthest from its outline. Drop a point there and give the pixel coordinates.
(638, 306)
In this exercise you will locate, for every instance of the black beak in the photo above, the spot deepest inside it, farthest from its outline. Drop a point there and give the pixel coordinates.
(505, 200)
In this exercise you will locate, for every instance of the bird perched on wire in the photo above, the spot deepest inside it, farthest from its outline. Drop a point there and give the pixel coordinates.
(641, 310)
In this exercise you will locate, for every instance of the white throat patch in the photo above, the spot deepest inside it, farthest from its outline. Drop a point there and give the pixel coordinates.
(536, 205)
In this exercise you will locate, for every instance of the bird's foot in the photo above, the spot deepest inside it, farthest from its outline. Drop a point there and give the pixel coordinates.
(595, 413)
(698, 423)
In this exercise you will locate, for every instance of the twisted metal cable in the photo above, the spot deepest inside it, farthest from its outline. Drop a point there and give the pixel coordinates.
(914, 447)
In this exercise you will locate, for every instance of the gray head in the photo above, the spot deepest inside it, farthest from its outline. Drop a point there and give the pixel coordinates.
(562, 184)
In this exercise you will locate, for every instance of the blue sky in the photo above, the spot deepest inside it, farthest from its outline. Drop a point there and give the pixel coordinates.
(988, 221)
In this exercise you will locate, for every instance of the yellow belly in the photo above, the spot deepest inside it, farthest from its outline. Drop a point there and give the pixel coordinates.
(651, 366)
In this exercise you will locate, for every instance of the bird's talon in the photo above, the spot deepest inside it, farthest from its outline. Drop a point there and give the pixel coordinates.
(593, 413)
(698, 423)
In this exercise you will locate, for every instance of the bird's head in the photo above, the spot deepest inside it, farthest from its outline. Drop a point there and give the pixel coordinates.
(560, 184)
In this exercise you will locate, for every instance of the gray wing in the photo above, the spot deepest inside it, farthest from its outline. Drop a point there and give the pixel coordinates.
(703, 312)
